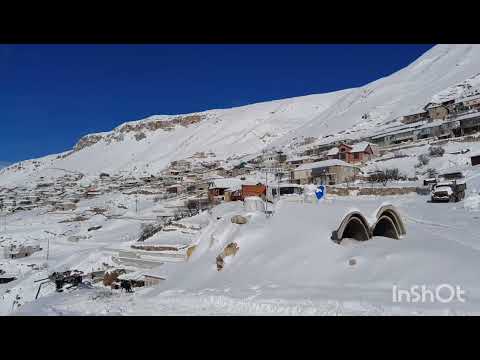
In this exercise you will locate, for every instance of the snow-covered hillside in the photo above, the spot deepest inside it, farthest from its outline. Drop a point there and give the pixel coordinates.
(149, 145)
(439, 73)
(284, 262)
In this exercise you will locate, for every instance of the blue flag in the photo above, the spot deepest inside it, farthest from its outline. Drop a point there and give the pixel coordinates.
(320, 192)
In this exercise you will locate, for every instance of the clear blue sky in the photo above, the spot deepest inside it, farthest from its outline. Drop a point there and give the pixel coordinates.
(51, 95)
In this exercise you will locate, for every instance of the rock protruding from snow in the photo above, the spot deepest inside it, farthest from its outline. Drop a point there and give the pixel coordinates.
(239, 219)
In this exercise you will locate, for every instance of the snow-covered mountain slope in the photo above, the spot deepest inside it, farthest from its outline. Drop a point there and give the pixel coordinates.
(149, 145)
(440, 74)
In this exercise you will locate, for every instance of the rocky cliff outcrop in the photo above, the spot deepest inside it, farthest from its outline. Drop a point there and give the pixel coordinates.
(140, 129)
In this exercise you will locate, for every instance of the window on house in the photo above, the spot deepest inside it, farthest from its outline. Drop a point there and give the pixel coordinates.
(356, 156)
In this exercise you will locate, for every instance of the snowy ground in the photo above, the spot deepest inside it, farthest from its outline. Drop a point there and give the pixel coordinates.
(286, 265)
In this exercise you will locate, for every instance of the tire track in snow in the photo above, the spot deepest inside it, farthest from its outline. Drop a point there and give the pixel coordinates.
(442, 234)
(423, 222)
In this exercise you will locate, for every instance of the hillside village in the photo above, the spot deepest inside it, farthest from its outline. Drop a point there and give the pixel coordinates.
(113, 233)
(198, 178)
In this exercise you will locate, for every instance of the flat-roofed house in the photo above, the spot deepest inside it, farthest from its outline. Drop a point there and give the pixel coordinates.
(217, 188)
(297, 161)
(411, 118)
(470, 102)
(328, 172)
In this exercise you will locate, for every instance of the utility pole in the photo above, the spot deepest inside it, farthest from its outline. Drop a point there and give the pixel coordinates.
(136, 202)
(48, 244)
(2, 206)
(1, 212)
(278, 182)
(266, 190)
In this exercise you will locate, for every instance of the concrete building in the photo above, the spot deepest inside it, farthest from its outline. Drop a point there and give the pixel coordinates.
(297, 161)
(328, 172)
(274, 159)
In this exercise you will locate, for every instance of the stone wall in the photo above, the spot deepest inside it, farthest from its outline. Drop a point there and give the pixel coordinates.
(378, 191)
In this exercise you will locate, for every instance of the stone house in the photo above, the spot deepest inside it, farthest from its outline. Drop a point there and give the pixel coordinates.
(440, 110)
(328, 172)
(469, 103)
(419, 116)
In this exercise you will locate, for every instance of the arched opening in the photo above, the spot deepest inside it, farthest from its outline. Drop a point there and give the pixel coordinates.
(390, 212)
(353, 226)
(355, 229)
(385, 227)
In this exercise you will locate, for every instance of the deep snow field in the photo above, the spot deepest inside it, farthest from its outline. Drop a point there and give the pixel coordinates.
(286, 264)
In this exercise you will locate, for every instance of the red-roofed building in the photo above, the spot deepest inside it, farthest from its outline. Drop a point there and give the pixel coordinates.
(352, 154)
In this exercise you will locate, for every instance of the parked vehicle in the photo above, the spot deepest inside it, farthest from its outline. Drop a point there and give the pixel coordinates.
(450, 188)
(281, 190)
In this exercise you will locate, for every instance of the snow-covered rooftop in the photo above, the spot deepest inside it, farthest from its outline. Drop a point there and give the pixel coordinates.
(468, 98)
(324, 163)
(299, 158)
(332, 151)
(468, 116)
(230, 183)
(360, 147)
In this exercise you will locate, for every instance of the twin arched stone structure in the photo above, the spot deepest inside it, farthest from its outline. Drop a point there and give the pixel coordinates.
(354, 225)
